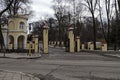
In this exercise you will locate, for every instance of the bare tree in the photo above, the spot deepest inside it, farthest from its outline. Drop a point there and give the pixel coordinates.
(91, 5)
(5, 8)
(60, 11)
(101, 20)
(119, 4)
(79, 16)
(2, 11)
(117, 24)
(107, 5)
(18, 6)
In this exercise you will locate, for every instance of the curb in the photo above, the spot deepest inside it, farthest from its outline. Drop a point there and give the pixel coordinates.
(20, 57)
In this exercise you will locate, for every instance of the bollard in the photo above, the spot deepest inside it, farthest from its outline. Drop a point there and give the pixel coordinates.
(78, 43)
(104, 47)
(83, 46)
(58, 43)
(62, 43)
(91, 46)
(29, 46)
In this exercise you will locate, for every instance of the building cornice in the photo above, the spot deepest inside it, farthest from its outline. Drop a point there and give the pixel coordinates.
(17, 31)
(19, 16)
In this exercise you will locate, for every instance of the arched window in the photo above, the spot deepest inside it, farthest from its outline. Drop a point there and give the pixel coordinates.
(22, 24)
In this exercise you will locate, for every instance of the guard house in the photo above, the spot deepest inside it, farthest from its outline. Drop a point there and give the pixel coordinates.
(16, 34)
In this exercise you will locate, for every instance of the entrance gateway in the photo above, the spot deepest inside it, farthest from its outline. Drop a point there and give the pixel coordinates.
(16, 35)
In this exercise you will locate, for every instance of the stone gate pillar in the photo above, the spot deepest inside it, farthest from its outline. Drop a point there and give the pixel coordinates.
(71, 40)
(91, 46)
(45, 39)
(104, 46)
(78, 43)
(27, 47)
(83, 46)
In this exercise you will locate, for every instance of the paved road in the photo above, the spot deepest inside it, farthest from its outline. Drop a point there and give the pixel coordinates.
(67, 66)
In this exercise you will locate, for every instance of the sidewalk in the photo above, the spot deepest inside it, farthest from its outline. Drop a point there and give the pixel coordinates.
(20, 55)
(12, 75)
(110, 53)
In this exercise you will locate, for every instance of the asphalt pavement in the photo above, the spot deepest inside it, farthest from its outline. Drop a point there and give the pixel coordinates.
(61, 65)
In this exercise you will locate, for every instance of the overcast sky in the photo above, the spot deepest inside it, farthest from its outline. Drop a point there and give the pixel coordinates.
(41, 8)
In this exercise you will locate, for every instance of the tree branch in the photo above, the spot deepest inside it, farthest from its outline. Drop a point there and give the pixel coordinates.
(8, 6)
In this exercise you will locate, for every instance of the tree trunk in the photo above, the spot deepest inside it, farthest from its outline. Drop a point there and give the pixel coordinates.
(94, 31)
(2, 40)
(108, 21)
(119, 4)
(108, 34)
(117, 24)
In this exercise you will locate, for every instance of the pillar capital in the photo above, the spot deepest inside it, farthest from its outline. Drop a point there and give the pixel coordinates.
(104, 42)
(78, 37)
(45, 27)
(91, 42)
(36, 36)
(70, 28)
